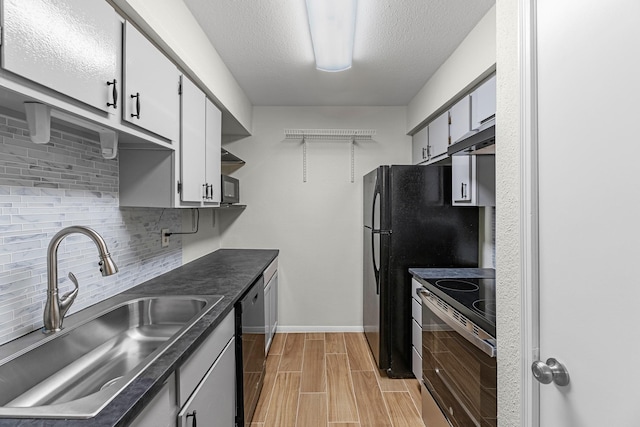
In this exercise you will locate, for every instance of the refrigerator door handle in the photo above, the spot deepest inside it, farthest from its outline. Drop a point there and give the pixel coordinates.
(376, 272)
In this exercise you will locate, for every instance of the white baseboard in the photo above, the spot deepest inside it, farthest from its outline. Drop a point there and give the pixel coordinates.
(299, 329)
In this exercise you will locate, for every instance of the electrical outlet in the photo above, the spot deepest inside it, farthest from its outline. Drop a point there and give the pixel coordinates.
(164, 239)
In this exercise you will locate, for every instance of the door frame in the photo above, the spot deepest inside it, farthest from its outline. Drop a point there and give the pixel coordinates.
(529, 211)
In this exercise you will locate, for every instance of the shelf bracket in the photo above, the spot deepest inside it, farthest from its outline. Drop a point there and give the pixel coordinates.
(304, 159)
(39, 123)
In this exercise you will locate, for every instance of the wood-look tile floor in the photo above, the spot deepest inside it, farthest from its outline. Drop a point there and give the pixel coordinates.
(330, 380)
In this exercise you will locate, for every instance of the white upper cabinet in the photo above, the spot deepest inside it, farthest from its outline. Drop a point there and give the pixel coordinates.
(483, 103)
(460, 118)
(419, 144)
(200, 144)
(151, 99)
(212, 154)
(438, 137)
(192, 142)
(473, 180)
(70, 46)
(462, 170)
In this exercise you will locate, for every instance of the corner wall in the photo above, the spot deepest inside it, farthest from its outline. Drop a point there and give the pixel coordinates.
(468, 65)
(508, 232)
(317, 225)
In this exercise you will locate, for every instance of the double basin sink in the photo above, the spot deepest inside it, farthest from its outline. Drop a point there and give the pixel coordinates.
(76, 372)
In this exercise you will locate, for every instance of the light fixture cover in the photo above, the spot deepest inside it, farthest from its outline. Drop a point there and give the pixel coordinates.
(332, 24)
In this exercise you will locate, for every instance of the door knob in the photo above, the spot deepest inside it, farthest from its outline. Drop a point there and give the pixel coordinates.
(552, 371)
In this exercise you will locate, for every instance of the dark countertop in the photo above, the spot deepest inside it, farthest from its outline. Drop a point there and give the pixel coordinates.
(226, 272)
(453, 273)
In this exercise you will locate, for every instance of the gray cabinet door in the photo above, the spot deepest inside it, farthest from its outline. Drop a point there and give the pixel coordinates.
(213, 403)
(70, 46)
(460, 115)
(213, 143)
(462, 169)
(192, 142)
(151, 99)
(439, 137)
(483, 103)
(419, 144)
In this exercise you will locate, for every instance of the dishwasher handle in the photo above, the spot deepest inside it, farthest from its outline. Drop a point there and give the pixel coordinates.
(486, 347)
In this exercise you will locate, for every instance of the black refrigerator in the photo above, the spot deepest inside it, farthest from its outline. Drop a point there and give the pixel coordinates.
(408, 222)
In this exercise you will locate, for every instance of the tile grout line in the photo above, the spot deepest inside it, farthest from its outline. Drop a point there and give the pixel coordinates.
(273, 386)
(353, 388)
(411, 396)
(304, 345)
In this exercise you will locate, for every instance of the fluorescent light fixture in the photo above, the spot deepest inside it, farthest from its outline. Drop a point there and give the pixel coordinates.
(333, 26)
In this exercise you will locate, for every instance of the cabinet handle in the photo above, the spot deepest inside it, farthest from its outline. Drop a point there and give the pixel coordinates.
(483, 121)
(137, 97)
(114, 94)
(210, 191)
(428, 151)
(195, 419)
(423, 155)
(462, 190)
(207, 191)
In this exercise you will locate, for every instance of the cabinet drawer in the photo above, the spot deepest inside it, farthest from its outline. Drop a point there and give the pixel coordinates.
(415, 285)
(213, 402)
(192, 371)
(416, 334)
(270, 271)
(416, 363)
(416, 310)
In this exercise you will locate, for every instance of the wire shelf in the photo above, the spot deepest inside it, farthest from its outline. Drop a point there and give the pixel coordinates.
(348, 135)
(330, 134)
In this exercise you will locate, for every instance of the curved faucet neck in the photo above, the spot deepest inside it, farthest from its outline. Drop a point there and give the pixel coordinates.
(55, 307)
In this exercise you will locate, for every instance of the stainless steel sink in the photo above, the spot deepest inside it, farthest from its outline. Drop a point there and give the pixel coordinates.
(74, 373)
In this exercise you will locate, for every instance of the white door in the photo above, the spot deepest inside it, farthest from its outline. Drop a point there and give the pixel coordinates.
(589, 210)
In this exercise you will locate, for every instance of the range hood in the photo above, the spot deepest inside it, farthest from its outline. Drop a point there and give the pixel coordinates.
(476, 142)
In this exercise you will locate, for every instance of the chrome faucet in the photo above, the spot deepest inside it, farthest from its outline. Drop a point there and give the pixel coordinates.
(55, 308)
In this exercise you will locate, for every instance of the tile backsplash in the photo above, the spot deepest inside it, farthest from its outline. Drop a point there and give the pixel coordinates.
(44, 188)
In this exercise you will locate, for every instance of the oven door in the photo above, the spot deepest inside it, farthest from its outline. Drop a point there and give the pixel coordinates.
(458, 367)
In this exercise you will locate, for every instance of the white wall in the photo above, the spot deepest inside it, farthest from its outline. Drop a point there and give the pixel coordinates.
(206, 240)
(469, 64)
(508, 249)
(317, 225)
(171, 25)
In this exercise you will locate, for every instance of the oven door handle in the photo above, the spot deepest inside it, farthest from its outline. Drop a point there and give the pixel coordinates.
(483, 345)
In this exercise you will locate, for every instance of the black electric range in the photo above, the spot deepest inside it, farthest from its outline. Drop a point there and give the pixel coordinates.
(473, 296)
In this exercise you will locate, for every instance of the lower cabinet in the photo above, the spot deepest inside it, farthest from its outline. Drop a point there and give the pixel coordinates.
(213, 401)
(270, 303)
(160, 412)
(202, 390)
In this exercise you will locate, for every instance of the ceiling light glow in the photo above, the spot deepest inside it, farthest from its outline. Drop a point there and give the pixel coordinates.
(332, 24)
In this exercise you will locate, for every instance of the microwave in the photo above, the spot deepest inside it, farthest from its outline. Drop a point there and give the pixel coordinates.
(230, 190)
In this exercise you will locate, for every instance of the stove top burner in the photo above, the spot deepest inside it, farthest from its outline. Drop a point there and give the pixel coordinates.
(472, 297)
(484, 306)
(457, 285)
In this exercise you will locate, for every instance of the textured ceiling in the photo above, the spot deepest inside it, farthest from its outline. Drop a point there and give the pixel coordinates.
(399, 45)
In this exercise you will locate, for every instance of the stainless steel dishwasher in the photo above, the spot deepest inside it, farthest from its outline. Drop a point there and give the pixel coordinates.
(250, 353)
